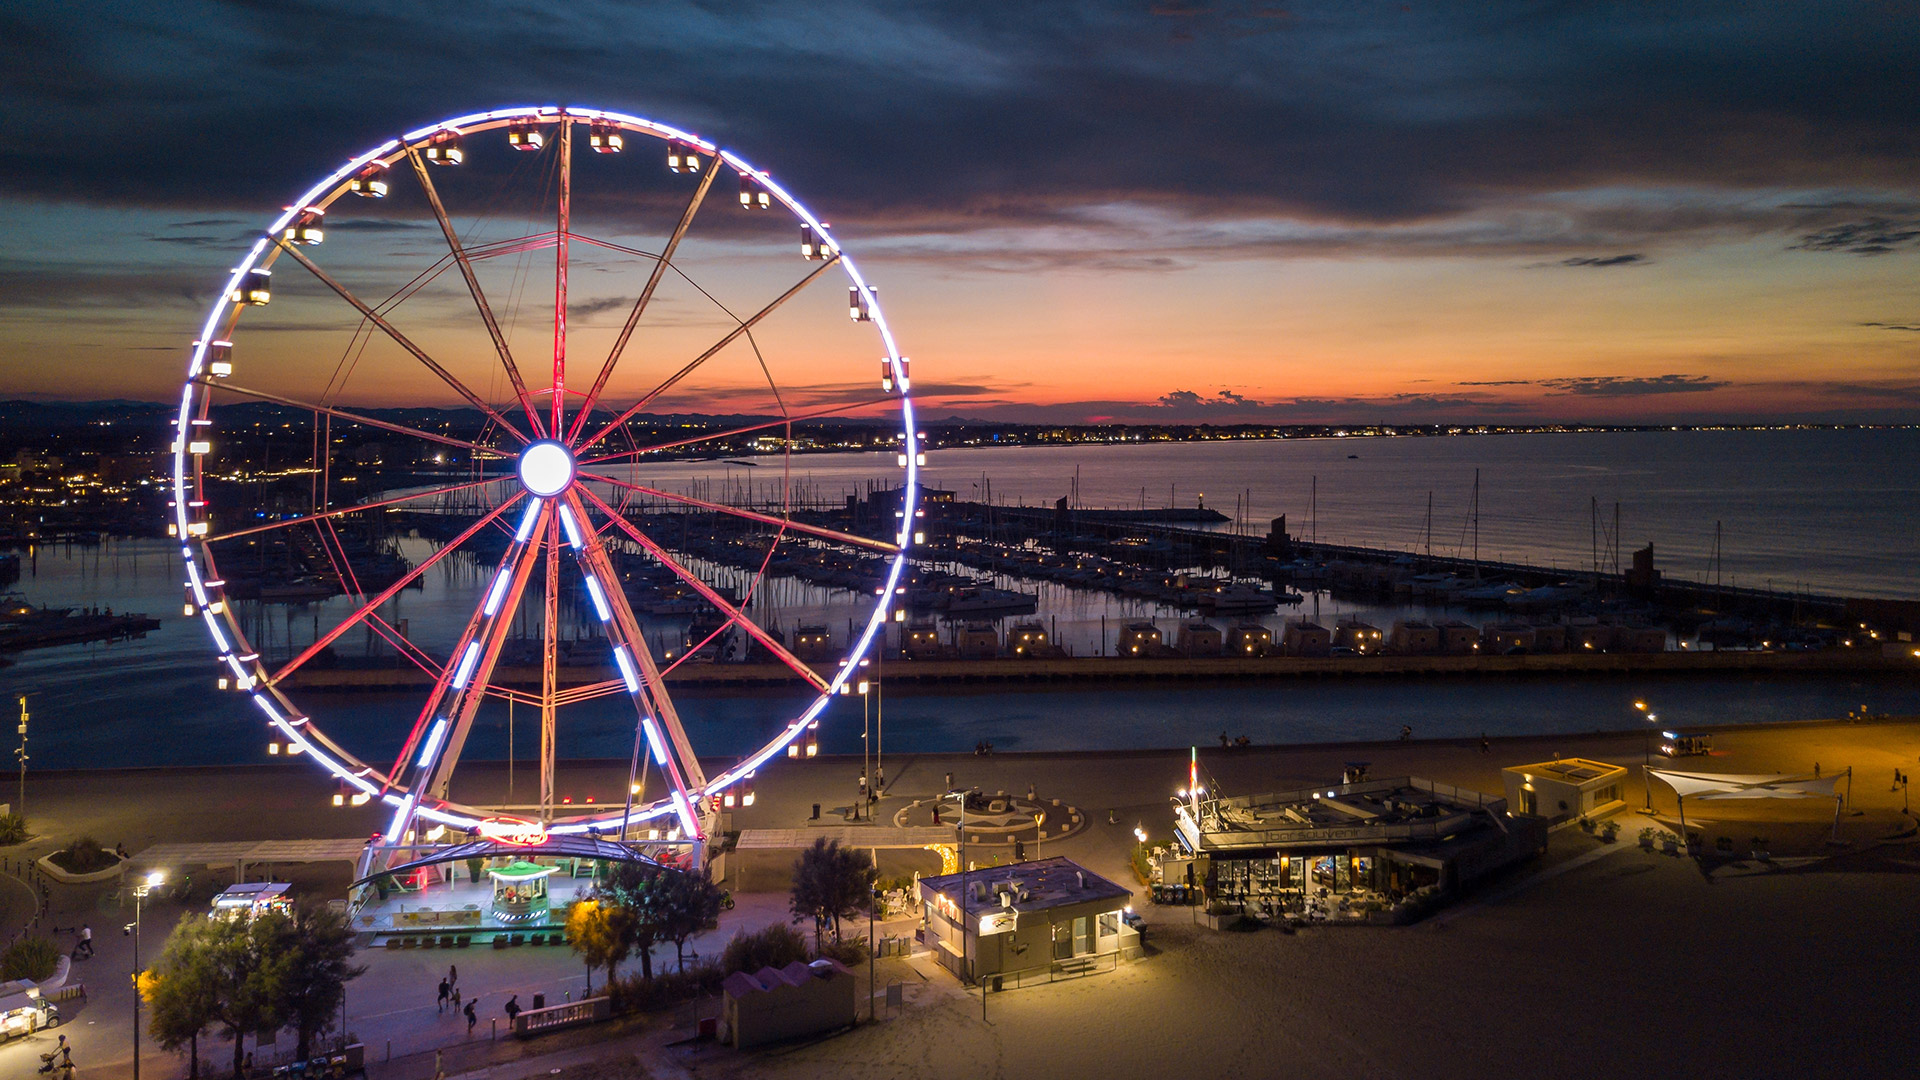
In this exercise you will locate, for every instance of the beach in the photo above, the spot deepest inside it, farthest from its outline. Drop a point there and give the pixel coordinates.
(1591, 960)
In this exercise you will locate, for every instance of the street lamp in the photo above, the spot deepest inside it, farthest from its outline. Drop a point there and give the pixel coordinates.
(140, 890)
(1646, 756)
(966, 926)
(866, 746)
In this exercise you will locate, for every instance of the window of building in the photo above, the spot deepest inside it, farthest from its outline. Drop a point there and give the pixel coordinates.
(1082, 935)
(1110, 924)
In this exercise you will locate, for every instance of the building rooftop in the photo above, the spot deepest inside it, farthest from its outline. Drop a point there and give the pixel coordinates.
(1571, 770)
(1036, 886)
(1405, 810)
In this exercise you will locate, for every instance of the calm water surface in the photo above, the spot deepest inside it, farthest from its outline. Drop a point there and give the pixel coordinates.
(1826, 511)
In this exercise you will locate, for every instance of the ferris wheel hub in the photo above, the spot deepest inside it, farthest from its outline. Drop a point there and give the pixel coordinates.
(546, 468)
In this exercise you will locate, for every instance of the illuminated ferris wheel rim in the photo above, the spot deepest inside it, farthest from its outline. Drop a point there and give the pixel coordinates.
(281, 715)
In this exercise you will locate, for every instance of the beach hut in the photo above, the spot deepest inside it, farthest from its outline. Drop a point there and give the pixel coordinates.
(775, 1004)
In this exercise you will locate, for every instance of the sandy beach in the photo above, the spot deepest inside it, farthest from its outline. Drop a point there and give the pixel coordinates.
(1591, 961)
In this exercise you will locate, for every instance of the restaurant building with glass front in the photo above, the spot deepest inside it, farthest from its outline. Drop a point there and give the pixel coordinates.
(1374, 851)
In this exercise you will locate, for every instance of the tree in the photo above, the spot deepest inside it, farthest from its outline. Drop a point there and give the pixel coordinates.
(691, 904)
(600, 933)
(831, 883)
(179, 990)
(639, 889)
(322, 954)
(234, 973)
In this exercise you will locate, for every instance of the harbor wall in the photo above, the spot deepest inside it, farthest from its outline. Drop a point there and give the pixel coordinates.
(1093, 669)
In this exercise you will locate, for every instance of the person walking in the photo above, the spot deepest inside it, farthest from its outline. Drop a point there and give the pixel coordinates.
(472, 1017)
(439, 1067)
(446, 994)
(453, 976)
(512, 1008)
(85, 947)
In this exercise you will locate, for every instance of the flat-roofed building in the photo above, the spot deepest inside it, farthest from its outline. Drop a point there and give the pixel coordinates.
(1200, 638)
(1026, 917)
(1413, 637)
(1457, 638)
(1303, 638)
(1249, 639)
(977, 641)
(1564, 788)
(1139, 639)
(1383, 851)
(1361, 637)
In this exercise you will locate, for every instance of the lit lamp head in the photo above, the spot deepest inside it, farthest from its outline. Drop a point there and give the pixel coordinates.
(546, 468)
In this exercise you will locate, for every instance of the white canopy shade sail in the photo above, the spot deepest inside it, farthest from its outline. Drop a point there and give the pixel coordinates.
(1750, 785)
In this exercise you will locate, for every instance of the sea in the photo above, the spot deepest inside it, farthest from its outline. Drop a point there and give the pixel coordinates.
(1812, 511)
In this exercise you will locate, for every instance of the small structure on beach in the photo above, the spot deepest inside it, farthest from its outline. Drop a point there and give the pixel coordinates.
(775, 1004)
(1375, 851)
(1026, 917)
(1564, 788)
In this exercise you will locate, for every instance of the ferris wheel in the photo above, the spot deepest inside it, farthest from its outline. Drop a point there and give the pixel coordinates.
(543, 495)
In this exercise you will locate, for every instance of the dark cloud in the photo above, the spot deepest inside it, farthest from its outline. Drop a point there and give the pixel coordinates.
(1893, 326)
(1872, 236)
(1605, 260)
(961, 117)
(374, 225)
(1632, 386)
(587, 309)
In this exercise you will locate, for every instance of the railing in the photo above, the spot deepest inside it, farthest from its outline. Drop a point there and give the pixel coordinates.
(1077, 967)
(555, 1017)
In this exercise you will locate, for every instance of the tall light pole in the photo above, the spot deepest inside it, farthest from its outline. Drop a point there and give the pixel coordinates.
(140, 891)
(22, 755)
(965, 924)
(866, 746)
(1646, 753)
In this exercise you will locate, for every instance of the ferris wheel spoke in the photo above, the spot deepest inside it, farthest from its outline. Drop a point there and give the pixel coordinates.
(758, 633)
(352, 417)
(749, 515)
(565, 155)
(355, 509)
(646, 294)
(473, 286)
(693, 364)
(374, 604)
(641, 675)
(401, 339)
(851, 406)
(440, 732)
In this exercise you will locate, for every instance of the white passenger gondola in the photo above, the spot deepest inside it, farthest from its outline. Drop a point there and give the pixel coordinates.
(523, 135)
(444, 148)
(605, 138)
(255, 288)
(682, 159)
(305, 228)
(859, 303)
(370, 182)
(219, 358)
(752, 195)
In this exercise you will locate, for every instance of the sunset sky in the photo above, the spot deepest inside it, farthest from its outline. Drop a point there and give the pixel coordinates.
(1163, 211)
